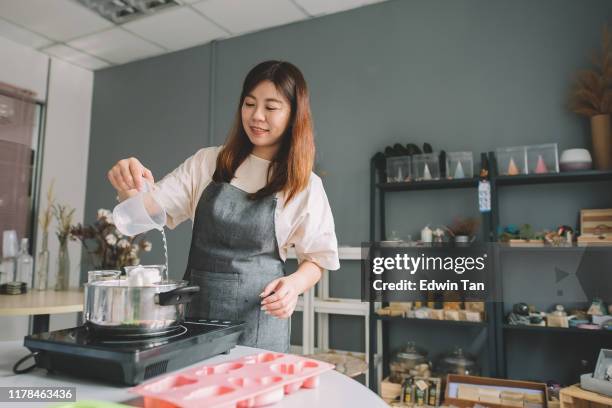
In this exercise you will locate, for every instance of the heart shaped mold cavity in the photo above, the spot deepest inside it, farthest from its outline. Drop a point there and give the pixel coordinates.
(219, 369)
(312, 382)
(293, 368)
(267, 357)
(269, 380)
(150, 402)
(249, 382)
(170, 383)
(208, 392)
(268, 398)
(293, 387)
(242, 382)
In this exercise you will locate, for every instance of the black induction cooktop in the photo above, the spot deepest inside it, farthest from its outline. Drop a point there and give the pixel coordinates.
(81, 352)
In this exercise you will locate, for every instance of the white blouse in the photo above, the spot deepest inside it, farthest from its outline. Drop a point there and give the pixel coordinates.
(306, 222)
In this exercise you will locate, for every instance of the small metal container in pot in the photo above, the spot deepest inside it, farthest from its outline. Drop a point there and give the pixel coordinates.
(114, 307)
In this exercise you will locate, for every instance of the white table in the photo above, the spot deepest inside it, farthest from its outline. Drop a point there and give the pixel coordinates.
(334, 390)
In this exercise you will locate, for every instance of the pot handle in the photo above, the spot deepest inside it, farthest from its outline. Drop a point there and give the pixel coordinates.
(177, 296)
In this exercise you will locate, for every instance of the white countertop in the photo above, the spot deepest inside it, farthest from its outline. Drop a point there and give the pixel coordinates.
(335, 389)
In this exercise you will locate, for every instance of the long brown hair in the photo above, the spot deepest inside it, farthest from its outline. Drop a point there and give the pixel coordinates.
(290, 169)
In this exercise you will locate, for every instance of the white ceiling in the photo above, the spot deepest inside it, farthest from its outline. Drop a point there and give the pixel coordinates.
(69, 31)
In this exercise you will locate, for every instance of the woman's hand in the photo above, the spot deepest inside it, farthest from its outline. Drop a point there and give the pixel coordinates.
(280, 297)
(126, 177)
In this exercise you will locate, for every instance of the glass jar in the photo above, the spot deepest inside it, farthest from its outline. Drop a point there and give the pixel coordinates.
(406, 359)
(457, 362)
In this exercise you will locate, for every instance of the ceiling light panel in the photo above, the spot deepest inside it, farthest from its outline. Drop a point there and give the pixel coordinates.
(241, 16)
(122, 11)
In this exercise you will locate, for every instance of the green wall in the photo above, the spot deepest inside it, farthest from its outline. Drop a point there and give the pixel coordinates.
(461, 75)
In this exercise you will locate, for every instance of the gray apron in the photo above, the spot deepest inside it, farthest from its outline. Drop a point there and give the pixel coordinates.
(233, 256)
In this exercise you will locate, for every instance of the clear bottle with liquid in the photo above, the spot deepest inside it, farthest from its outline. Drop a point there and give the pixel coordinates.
(25, 264)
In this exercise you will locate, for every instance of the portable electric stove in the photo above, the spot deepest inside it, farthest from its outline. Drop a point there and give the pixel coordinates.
(132, 360)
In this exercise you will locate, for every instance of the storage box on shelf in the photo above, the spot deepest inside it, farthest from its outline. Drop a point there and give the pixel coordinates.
(399, 169)
(511, 161)
(595, 227)
(542, 159)
(426, 166)
(459, 165)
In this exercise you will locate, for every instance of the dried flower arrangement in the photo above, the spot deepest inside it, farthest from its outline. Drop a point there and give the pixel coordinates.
(464, 227)
(591, 94)
(63, 214)
(106, 246)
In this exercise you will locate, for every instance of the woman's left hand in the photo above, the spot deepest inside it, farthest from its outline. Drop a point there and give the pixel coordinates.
(280, 297)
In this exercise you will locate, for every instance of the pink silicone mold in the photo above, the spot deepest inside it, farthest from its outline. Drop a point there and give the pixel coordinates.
(249, 382)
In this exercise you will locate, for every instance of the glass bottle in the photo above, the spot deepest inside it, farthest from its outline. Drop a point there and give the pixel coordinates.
(63, 266)
(42, 265)
(24, 264)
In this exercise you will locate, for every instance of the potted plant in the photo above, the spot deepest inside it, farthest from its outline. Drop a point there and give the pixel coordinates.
(521, 236)
(463, 230)
(591, 96)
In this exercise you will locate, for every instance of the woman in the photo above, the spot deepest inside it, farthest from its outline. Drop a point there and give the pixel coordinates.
(250, 200)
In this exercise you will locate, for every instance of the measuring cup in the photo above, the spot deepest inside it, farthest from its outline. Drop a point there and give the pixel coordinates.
(140, 213)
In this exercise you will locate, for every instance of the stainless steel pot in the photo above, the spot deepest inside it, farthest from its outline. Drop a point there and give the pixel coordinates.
(114, 308)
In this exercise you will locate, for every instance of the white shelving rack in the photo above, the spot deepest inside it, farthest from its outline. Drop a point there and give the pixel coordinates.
(321, 306)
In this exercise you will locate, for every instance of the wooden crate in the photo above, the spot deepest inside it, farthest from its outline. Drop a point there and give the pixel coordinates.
(480, 381)
(390, 391)
(576, 397)
(596, 222)
(595, 227)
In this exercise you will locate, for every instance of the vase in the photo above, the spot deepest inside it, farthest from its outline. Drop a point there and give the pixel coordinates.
(63, 266)
(602, 143)
(42, 270)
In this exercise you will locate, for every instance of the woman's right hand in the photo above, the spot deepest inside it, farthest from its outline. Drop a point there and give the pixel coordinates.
(127, 175)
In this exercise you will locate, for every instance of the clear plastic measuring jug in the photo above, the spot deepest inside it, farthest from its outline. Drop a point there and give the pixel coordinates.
(140, 213)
